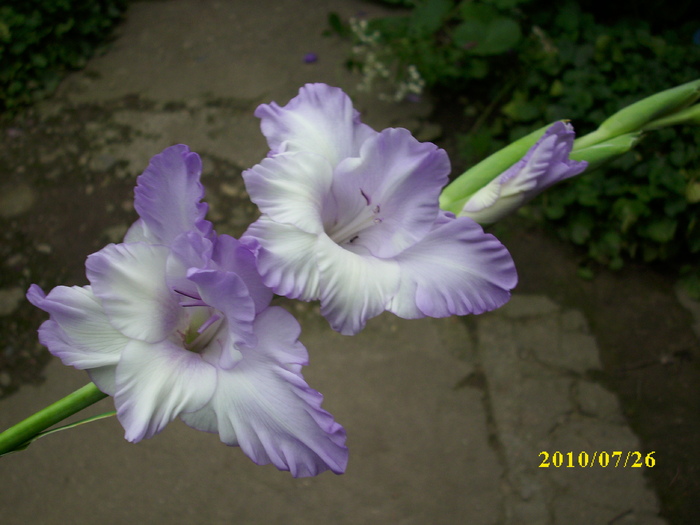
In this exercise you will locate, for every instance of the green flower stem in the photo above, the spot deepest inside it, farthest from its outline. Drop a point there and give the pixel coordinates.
(16, 436)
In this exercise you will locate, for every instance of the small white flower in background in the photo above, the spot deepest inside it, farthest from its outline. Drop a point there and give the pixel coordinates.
(380, 67)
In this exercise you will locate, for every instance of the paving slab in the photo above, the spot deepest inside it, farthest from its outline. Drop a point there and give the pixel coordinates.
(446, 418)
(551, 420)
(417, 443)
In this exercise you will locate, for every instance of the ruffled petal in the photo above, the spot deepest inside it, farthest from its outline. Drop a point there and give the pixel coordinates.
(319, 120)
(549, 158)
(158, 382)
(545, 163)
(78, 331)
(291, 188)
(354, 287)
(285, 258)
(395, 184)
(168, 195)
(231, 255)
(227, 293)
(189, 250)
(129, 280)
(265, 406)
(457, 269)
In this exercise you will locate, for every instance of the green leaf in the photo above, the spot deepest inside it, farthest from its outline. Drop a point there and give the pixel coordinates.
(690, 281)
(39, 61)
(502, 34)
(584, 272)
(478, 68)
(64, 27)
(470, 10)
(662, 230)
(568, 18)
(485, 32)
(505, 4)
(337, 25)
(580, 229)
(628, 211)
(520, 108)
(5, 33)
(429, 15)
(692, 192)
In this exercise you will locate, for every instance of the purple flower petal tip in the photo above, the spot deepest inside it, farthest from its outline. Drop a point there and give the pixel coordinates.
(168, 195)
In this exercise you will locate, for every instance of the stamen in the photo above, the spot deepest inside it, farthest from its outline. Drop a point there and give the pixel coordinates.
(349, 232)
(195, 300)
(214, 318)
(365, 196)
(190, 305)
(342, 233)
(188, 295)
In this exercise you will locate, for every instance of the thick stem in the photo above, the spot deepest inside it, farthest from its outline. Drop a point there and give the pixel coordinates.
(23, 431)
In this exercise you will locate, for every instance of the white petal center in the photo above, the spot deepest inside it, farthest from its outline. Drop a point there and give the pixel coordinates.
(348, 231)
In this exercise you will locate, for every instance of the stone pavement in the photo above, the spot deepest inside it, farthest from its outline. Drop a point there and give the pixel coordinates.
(447, 419)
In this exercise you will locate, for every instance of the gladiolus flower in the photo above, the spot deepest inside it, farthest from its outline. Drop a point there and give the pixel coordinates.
(350, 217)
(176, 322)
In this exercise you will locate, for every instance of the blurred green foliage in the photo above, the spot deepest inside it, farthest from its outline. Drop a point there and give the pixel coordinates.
(517, 65)
(41, 39)
(643, 206)
(450, 42)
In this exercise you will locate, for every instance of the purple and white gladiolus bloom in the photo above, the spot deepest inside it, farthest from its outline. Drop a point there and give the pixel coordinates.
(546, 163)
(176, 322)
(350, 217)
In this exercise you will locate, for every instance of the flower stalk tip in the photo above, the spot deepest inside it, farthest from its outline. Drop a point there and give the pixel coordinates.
(640, 115)
(689, 115)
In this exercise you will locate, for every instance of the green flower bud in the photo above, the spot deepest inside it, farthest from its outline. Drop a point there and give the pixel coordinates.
(603, 152)
(640, 114)
(689, 115)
